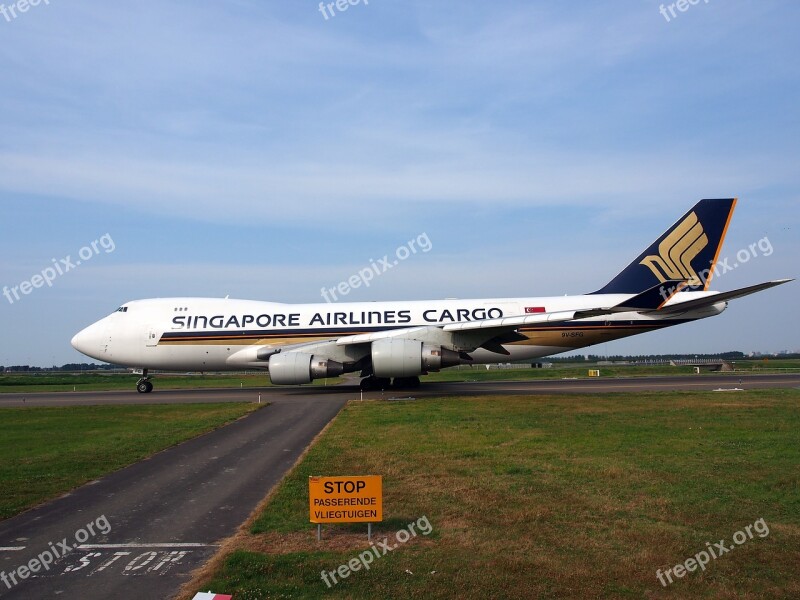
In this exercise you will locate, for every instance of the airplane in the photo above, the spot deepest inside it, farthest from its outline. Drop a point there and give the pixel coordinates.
(394, 343)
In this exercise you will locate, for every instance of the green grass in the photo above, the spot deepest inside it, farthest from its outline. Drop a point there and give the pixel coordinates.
(571, 370)
(550, 497)
(48, 451)
(481, 373)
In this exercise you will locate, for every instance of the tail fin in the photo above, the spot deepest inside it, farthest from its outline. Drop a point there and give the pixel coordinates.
(687, 251)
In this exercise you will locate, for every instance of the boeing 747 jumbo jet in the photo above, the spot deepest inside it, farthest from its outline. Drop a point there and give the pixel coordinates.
(393, 343)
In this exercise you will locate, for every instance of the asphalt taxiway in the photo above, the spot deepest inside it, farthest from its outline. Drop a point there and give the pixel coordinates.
(703, 382)
(166, 513)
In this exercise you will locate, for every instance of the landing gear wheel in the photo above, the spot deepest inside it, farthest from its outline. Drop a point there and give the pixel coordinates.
(143, 386)
(405, 383)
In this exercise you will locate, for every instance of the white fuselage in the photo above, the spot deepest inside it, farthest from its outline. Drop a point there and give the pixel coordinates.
(209, 334)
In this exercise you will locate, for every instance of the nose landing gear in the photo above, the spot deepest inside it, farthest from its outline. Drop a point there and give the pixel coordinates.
(144, 386)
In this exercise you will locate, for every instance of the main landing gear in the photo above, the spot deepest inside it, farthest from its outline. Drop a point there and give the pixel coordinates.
(372, 383)
(144, 386)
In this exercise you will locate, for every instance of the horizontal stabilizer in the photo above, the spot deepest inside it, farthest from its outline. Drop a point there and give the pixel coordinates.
(723, 296)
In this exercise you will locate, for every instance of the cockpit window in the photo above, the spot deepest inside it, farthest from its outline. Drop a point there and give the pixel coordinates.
(122, 309)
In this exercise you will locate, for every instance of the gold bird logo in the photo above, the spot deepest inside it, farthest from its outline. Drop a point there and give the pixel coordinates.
(676, 252)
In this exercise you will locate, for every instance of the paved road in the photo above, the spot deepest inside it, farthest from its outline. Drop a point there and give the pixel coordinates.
(348, 392)
(165, 513)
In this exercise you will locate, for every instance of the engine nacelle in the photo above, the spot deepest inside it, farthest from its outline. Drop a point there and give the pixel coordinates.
(393, 357)
(292, 368)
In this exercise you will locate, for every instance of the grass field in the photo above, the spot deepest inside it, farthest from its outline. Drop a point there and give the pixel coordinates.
(545, 497)
(569, 370)
(480, 373)
(48, 451)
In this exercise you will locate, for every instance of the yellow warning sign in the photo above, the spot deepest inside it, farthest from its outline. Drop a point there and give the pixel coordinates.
(350, 499)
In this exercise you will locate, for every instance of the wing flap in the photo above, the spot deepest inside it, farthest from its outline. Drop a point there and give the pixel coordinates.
(365, 338)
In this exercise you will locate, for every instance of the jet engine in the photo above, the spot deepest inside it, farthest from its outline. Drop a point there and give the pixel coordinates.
(394, 357)
(292, 368)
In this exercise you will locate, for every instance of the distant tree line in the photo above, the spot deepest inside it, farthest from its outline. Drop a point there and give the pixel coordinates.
(731, 356)
(54, 368)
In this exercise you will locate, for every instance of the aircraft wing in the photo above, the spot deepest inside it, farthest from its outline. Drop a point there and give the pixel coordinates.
(474, 334)
(491, 334)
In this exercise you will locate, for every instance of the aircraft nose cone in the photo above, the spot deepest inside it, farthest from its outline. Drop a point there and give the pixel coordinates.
(80, 341)
(87, 341)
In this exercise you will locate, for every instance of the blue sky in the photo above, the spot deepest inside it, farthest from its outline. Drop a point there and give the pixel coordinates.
(259, 150)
